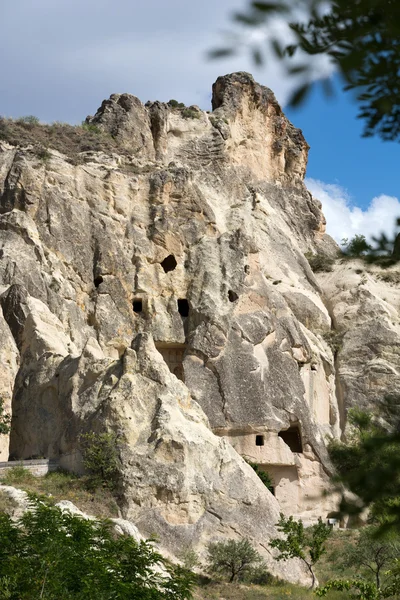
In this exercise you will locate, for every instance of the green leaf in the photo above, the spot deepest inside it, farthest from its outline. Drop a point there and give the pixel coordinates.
(270, 7)
(298, 69)
(300, 94)
(251, 20)
(257, 56)
(221, 53)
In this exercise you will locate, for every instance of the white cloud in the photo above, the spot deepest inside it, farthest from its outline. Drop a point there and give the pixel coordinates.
(344, 220)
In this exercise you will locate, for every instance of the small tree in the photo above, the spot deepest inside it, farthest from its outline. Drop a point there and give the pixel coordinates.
(372, 555)
(5, 419)
(357, 246)
(100, 458)
(306, 544)
(232, 558)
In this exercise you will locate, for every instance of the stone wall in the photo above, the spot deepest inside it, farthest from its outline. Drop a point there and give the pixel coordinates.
(38, 467)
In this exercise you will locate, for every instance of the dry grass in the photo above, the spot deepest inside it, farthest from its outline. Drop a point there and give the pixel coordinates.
(326, 569)
(68, 139)
(64, 486)
(233, 591)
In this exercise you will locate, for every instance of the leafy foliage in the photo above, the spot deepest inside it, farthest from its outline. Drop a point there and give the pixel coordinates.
(368, 464)
(232, 558)
(372, 555)
(358, 588)
(5, 419)
(53, 554)
(361, 39)
(307, 544)
(357, 246)
(263, 475)
(101, 458)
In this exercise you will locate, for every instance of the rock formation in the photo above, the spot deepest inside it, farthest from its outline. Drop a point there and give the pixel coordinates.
(162, 292)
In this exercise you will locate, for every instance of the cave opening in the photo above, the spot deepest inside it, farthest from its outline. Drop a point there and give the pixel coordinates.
(97, 281)
(183, 307)
(232, 296)
(137, 305)
(292, 438)
(169, 263)
(259, 440)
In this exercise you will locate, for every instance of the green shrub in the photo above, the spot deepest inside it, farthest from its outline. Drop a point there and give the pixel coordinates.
(319, 262)
(43, 154)
(91, 127)
(263, 475)
(175, 104)
(190, 113)
(189, 558)
(334, 339)
(356, 247)
(100, 458)
(232, 558)
(17, 475)
(29, 120)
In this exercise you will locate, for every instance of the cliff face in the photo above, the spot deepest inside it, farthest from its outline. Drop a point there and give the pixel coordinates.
(160, 289)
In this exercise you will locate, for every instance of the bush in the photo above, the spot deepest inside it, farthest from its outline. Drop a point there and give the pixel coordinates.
(57, 555)
(334, 339)
(175, 104)
(263, 475)
(100, 458)
(232, 558)
(43, 154)
(29, 120)
(357, 246)
(191, 113)
(91, 127)
(320, 263)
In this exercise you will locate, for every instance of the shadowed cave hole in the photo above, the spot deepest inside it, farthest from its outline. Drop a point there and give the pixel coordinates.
(97, 281)
(232, 296)
(292, 438)
(259, 440)
(183, 307)
(169, 263)
(137, 305)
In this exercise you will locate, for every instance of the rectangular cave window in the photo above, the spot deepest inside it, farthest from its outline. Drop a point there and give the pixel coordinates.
(137, 305)
(292, 438)
(259, 440)
(183, 307)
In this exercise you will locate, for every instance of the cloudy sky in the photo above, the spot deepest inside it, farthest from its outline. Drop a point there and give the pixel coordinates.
(60, 58)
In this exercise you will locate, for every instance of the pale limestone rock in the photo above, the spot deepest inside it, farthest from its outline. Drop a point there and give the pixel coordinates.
(365, 302)
(192, 239)
(9, 360)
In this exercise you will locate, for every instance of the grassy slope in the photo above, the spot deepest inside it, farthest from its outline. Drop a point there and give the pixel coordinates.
(64, 486)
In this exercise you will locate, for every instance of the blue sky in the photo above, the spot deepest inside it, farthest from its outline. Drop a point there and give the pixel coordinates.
(60, 59)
